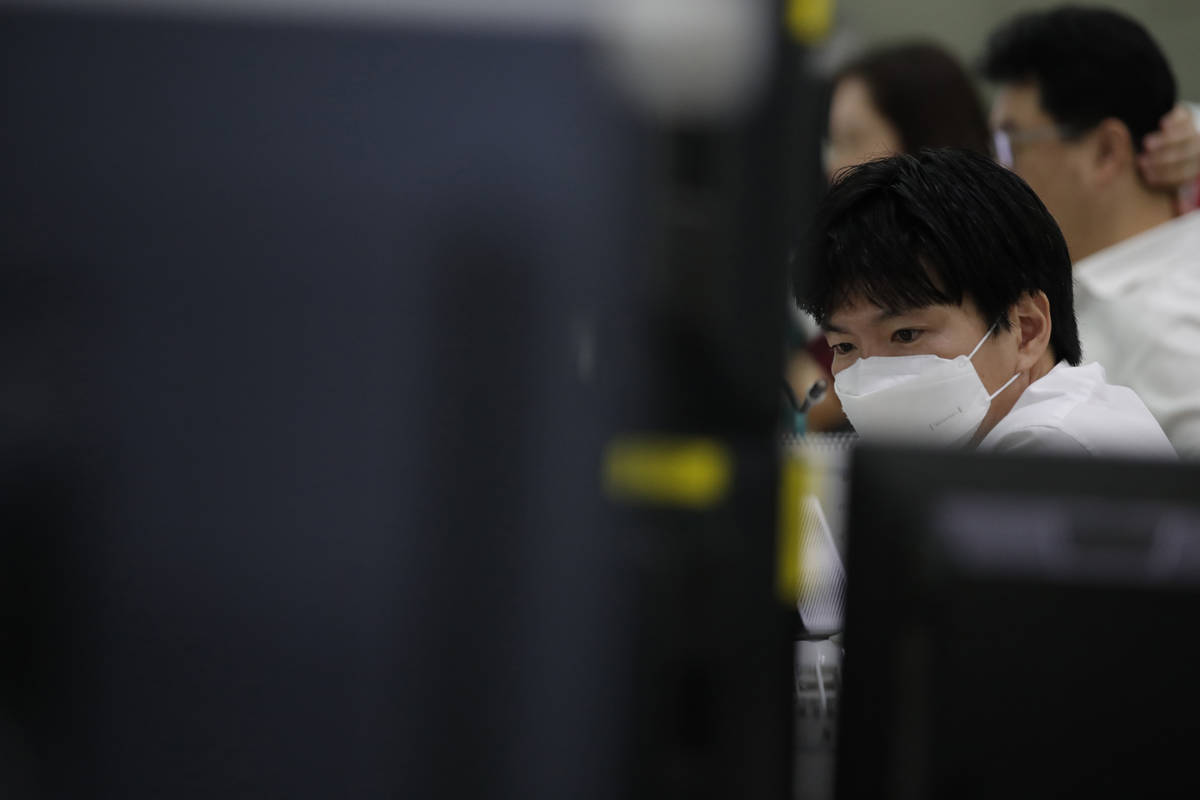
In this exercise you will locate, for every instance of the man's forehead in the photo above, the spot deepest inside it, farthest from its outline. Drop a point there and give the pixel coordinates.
(865, 313)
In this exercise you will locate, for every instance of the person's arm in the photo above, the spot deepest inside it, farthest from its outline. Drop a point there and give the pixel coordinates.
(1172, 154)
(827, 415)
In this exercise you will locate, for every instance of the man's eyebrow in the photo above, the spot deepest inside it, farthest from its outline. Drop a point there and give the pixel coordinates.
(829, 326)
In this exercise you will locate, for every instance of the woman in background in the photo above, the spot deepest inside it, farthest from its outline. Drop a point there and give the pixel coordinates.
(899, 99)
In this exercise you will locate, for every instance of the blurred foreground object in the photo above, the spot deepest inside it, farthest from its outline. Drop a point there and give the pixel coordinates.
(1019, 627)
(320, 321)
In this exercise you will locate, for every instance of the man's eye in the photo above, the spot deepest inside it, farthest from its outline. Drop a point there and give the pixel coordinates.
(842, 348)
(906, 335)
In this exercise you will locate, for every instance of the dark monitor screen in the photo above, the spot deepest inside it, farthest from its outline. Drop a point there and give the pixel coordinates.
(294, 407)
(313, 337)
(1019, 627)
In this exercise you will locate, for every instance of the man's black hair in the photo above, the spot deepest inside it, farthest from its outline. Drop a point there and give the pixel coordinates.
(925, 93)
(1089, 64)
(933, 228)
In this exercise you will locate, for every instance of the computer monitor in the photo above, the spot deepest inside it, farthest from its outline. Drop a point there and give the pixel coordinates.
(317, 320)
(1019, 627)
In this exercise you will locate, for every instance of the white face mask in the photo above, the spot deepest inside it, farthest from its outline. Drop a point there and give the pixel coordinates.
(926, 398)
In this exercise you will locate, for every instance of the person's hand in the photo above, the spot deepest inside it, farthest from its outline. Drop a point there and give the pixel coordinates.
(1172, 153)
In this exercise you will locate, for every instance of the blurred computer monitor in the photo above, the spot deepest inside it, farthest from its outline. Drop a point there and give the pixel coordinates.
(316, 327)
(1019, 627)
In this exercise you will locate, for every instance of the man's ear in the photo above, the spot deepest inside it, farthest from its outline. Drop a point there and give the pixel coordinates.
(1111, 152)
(1031, 325)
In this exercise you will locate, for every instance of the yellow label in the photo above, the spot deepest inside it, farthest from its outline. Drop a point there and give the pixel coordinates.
(810, 20)
(793, 483)
(667, 470)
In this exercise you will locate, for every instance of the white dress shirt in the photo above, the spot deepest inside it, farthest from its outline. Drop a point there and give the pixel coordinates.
(1138, 304)
(1074, 410)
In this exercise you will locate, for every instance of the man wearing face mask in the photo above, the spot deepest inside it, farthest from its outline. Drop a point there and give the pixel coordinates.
(944, 288)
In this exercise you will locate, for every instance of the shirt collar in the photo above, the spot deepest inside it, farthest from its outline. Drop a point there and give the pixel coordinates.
(1122, 266)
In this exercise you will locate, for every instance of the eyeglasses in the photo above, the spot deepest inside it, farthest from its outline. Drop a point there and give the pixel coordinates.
(1004, 141)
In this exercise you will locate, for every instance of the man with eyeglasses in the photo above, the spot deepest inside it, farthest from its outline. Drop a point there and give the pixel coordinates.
(1078, 91)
